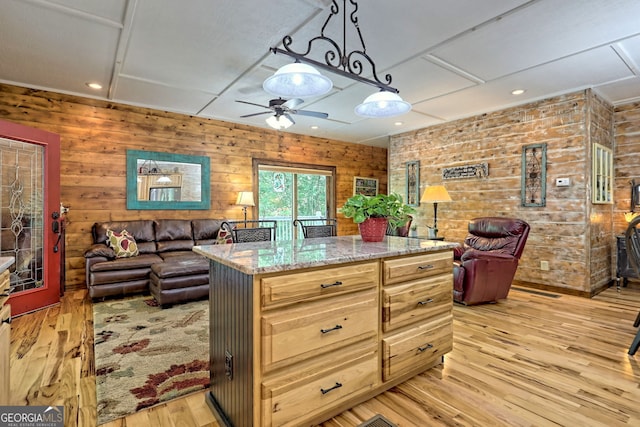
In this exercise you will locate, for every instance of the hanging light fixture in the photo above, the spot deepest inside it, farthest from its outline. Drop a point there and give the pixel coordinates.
(382, 104)
(279, 122)
(302, 79)
(297, 80)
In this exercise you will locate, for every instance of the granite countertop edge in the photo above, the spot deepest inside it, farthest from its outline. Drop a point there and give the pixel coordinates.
(274, 257)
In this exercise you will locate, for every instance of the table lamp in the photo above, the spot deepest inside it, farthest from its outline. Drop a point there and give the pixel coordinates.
(435, 194)
(245, 199)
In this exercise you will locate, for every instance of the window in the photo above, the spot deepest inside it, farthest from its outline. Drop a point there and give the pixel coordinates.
(290, 191)
(602, 174)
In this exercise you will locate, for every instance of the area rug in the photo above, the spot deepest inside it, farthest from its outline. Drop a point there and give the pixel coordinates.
(145, 355)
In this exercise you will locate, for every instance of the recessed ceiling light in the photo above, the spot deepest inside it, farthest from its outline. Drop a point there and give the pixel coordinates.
(95, 86)
(398, 123)
(314, 127)
(517, 92)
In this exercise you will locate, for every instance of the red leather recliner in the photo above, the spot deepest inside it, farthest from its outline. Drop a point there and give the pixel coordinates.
(485, 265)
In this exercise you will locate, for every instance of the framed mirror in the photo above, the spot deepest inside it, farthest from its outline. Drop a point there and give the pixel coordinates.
(165, 181)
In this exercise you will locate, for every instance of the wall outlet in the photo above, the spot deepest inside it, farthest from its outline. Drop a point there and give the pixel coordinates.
(563, 182)
(544, 265)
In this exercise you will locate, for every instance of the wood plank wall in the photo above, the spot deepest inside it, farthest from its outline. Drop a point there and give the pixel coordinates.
(96, 134)
(572, 235)
(626, 163)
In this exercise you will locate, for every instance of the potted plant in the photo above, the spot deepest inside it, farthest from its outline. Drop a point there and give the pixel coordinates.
(374, 213)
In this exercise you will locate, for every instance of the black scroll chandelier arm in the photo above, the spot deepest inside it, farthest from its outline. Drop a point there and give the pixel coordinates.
(337, 60)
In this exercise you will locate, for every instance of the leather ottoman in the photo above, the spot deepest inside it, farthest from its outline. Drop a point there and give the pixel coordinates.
(180, 279)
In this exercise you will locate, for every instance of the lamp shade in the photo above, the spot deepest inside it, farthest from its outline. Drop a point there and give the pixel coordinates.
(245, 198)
(297, 80)
(382, 104)
(279, 122)
(435, 194)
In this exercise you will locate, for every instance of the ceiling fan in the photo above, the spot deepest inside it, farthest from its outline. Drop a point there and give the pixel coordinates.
(283, 110)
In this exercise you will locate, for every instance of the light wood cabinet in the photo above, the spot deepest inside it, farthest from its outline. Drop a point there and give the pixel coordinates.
(5, 333)
(306, 344)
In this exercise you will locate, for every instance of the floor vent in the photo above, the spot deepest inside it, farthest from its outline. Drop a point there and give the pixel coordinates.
(378, 421)
(533, 291)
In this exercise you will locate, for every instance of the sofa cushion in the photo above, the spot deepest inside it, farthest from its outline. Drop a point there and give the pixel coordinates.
(122, 243)
(205, 229)
(141, 261)
(173, 235)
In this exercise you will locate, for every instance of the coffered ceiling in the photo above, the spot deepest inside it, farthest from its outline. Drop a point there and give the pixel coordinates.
(449, 59)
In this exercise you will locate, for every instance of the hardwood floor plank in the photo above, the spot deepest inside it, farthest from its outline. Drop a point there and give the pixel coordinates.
(530, 360)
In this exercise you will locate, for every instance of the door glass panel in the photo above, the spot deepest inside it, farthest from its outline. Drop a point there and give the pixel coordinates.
(287, 193)
(21, 205)
(275, 191)
(312, 196)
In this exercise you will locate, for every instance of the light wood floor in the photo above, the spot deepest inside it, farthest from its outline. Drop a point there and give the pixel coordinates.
(531, 360)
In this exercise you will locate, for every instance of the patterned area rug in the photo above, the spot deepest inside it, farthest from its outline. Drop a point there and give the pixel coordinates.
(145, 355)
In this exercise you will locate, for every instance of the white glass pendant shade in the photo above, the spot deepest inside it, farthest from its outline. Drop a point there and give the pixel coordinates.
(382, 104)
(279, 122)
(297, 80)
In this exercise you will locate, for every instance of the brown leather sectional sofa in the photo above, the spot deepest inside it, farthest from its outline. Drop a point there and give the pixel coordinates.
(166, 265)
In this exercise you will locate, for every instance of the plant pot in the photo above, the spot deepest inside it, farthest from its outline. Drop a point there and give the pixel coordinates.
(373, 229)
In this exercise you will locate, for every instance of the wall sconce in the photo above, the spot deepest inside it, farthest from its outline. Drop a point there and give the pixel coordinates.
(245, 199)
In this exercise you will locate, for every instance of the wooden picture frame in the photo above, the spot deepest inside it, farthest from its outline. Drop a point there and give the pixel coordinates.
(412, 196)
(365, 186)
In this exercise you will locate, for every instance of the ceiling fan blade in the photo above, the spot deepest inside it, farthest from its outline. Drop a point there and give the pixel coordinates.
(257, 114)
(293, 103)
(288, 116)
(311, 114)
(251, 103)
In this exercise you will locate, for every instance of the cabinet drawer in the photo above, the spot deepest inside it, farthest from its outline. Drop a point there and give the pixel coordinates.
(416, 300)
(405, 352)
(312, 329)
(5, 284)
(289, 401)
(291, 288)
(417, 267)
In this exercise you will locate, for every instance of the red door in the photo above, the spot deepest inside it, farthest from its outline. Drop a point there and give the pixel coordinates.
(30, 204)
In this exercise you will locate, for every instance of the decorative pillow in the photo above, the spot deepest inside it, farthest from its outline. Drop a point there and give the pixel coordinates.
(123, 244)
(224, 237)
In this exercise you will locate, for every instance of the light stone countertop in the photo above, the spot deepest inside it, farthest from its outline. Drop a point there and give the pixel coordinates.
(5, 262)
(271, 257)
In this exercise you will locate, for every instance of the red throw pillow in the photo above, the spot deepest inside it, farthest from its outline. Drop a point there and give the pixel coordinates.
(224, 237)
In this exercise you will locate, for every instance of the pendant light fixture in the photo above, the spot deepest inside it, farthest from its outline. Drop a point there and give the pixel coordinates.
(297, 80)
(382, 104)
(279, 122)
(302, 78)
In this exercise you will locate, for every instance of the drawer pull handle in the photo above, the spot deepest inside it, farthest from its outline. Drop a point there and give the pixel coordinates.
(7, 320)
(327, 390)
(4, 295)
(425, 348)
(426, 267)
(336, 283)
(335, 328)
(430, 300)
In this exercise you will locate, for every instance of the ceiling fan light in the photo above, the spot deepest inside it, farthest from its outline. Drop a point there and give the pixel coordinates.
(382, 104)
(279, 122)
(297, 80)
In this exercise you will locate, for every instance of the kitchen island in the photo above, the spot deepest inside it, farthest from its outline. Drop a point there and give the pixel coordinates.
(302, 330)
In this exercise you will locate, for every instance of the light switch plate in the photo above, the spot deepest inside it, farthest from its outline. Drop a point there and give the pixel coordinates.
(563, 182)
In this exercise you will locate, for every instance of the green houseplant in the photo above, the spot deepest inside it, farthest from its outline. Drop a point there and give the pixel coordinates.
(383, 209)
